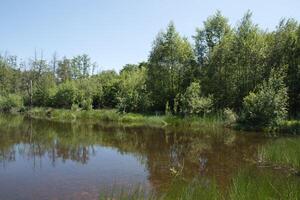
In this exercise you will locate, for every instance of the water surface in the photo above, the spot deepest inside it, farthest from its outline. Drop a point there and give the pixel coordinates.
(46, 160)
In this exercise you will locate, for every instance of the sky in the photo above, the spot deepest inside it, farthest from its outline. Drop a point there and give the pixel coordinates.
(118, 32)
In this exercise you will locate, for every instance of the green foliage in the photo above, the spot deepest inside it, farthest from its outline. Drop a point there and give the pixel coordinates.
(132, 95)
(284, 50)
(44, 91)
(9, 75)
(232, 64)
(215, 28)
(106, 90)
(9, 102)
(192, 103)
(267, 106)
(235, 64)
(87, 104)
(66, 95)
(74, 107)
(230, 117)
(169, 68)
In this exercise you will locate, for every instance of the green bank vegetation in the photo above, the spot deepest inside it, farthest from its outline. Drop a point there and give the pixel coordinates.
(244, 69)
(131, 119)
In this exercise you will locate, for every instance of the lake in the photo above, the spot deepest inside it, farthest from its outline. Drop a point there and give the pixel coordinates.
(40, 159)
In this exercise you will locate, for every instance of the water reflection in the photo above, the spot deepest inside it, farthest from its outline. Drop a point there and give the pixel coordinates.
(95, 155)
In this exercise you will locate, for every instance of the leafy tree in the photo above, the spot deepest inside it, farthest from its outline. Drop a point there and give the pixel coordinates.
(10, 75)
(86, 91)
(267, 106)
(44, 90)
(236, 63)
(66, 95)
(64, 70)
(81, 66)
(213, 46)
(285, 51)
(132, 96)
(215, 28)
(168, 67)
(107, 88)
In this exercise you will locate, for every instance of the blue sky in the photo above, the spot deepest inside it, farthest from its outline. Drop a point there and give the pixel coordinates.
(117, 32)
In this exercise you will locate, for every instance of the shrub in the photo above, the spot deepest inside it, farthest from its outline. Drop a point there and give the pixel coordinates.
(7, 103)
(66, 95)
(132, 95)
(230, 117)
(267, 106)
(44, 91)
(74, 107)
(86, 104)
(191, 102)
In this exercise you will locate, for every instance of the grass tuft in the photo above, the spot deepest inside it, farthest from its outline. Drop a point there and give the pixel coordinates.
(282, 152)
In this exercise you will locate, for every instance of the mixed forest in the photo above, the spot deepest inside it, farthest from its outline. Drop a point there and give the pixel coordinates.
(244, 70)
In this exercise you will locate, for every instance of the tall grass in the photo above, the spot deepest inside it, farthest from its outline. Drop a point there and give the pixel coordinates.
(283, 151)
(249, 186)
(135, 193)
(197, 189)
(246, 185)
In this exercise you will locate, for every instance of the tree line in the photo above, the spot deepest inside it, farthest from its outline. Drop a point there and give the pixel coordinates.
(245, 68)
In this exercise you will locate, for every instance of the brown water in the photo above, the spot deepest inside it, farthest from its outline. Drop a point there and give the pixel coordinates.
(46, 160)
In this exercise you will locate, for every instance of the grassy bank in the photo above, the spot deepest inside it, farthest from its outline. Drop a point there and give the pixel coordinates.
(283, 152)
(111, 115)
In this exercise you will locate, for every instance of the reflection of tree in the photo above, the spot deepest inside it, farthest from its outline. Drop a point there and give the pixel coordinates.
(203, 153)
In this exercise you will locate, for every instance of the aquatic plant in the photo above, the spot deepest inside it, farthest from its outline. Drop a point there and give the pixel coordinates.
(248, 186)
(282, 152)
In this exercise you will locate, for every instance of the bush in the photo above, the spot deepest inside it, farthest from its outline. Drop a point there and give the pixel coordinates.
(230, 117)
(267, 106)
(12, 101)
(107, 89)
(87, 104)
(44, 91)
(74, 107)
(191, 102)
(66, 95)
(132, 95)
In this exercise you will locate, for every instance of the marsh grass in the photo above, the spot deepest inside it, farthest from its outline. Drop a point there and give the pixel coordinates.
(246, 185)
(179, 189)
(249, 186)
(282, 152)
(196, 189)
(134, 193)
